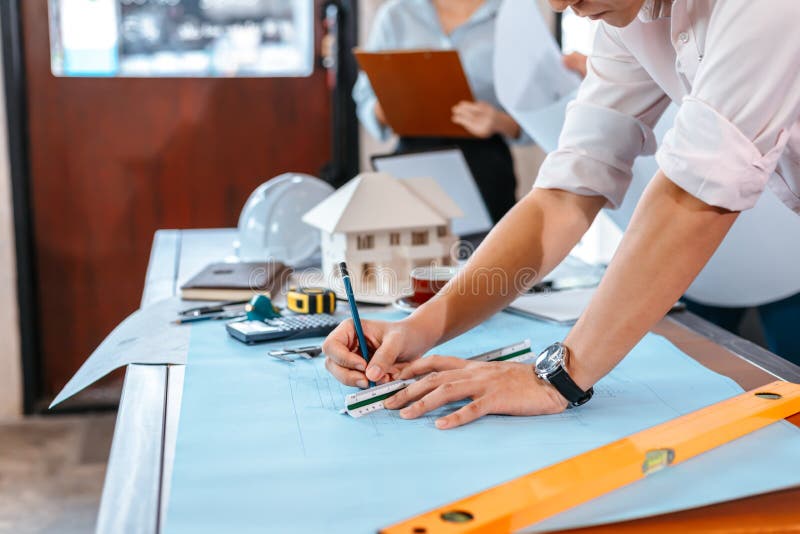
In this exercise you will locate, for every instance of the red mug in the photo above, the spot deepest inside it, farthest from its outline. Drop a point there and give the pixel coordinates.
(427, 281)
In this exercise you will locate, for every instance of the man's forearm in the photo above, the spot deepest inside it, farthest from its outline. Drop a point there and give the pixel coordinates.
(524, 246)
(670, 238)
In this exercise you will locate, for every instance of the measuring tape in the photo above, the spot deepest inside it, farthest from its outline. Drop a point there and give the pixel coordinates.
(309, 300)
(371, 400)
(530, 498)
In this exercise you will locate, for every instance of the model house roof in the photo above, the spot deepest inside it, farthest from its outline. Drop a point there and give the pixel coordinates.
(378, 201)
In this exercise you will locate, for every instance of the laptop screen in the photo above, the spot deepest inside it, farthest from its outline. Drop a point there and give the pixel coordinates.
(449, 168)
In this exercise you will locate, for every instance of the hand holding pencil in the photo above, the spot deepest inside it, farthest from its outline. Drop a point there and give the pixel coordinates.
(390, 348)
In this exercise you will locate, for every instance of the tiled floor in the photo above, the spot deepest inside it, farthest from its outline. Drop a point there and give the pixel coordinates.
(51, 472)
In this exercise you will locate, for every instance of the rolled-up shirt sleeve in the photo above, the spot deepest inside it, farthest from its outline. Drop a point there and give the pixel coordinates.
(607, 126)
(732, 129)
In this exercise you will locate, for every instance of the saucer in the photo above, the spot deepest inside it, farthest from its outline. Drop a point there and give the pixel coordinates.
(405, 304)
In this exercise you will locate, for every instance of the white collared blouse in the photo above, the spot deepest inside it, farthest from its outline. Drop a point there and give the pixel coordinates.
(733, 67)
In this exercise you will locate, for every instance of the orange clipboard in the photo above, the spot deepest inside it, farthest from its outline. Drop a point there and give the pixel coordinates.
(417, 89)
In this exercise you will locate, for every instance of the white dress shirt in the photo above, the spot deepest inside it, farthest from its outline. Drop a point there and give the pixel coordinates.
(733, 67)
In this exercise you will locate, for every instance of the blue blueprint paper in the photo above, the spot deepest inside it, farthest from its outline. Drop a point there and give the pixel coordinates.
(262, 446)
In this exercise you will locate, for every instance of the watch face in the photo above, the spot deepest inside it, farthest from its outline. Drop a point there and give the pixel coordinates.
(550, 360)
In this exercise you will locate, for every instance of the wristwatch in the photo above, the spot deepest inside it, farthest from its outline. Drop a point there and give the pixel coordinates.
(550, 367)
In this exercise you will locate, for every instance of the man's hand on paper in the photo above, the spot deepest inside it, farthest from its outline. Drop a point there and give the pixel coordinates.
(501, 388)
(392, 346)
(483, 120)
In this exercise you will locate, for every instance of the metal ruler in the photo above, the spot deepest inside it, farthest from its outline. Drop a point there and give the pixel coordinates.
(541, 494)
(371, 400)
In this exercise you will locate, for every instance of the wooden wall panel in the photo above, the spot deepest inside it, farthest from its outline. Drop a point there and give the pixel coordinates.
(114, 159)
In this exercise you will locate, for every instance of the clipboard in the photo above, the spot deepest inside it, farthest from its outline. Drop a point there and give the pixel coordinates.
(417, 89)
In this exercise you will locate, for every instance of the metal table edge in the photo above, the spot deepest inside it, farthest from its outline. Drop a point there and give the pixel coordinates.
(746, 350)
(132, 487)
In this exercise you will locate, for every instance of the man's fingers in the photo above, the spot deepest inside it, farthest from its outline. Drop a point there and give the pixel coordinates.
(384, 357)
(431, 363)
(397, 368)
(344, 358)
(474, 410)
(413, 392)
(446, 393)
(346, 376)
(421, 388)
(337, 347)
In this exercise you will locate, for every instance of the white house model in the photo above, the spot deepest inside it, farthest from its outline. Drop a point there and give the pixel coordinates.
(383, 227)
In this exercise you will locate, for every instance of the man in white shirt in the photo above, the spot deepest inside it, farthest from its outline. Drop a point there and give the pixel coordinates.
(733, 67)
(719, 298)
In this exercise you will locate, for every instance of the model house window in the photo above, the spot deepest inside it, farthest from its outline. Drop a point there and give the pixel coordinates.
(419, 238)
(365, 242)
(441, 231)
(394, 238)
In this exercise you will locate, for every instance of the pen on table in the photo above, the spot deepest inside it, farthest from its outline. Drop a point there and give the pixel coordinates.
(362, 341)
(207, 317)
(213, 308)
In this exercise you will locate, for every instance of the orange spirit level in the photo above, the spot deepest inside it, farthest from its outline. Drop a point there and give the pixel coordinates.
(536, 496)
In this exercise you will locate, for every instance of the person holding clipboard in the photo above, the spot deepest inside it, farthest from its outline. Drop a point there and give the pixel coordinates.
(731, 66)
(468, 27)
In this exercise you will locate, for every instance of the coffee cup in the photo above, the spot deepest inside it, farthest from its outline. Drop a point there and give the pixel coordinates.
(429, 280)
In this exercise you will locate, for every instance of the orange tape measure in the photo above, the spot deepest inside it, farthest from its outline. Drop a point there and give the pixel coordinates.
(541, 494)
(307, 300)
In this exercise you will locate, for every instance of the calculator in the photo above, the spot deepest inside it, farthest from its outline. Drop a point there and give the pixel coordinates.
(287, 327)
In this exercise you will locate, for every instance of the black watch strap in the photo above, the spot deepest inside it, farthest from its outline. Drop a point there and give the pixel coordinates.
(561, 380)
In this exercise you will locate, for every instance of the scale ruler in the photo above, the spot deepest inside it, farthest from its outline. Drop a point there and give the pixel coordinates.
(530, 498)
(371, 400)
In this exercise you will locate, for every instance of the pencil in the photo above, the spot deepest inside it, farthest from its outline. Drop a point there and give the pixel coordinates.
(362, 341)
